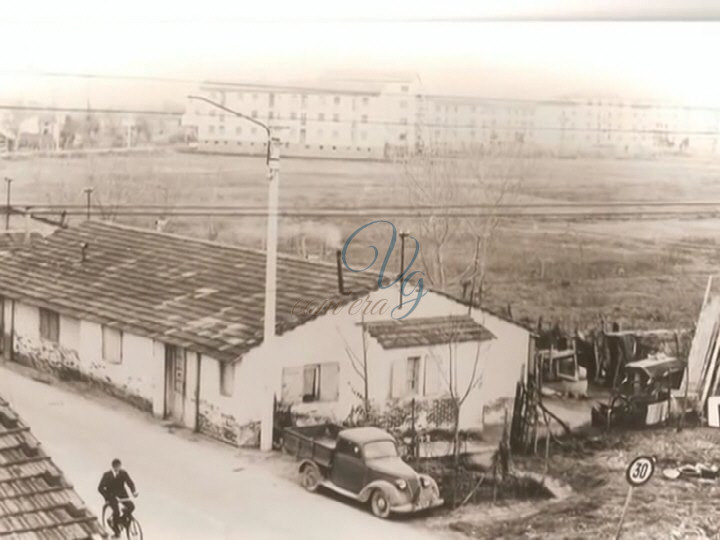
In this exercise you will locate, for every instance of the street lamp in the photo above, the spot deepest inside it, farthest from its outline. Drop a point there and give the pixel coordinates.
(273, 163)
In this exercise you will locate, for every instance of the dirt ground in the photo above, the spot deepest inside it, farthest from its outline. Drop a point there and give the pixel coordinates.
(644, 273)
(662, 509)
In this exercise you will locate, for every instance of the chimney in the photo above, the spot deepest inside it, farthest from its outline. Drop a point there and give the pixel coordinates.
(341, 283)
(83, 251)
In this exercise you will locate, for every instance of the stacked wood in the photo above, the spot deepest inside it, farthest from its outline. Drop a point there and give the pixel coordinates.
(702, 378)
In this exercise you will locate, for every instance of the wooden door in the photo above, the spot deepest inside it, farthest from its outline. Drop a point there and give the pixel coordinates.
(175, 382)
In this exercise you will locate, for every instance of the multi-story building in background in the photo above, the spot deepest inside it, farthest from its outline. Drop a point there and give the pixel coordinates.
(341, 118)
(380, 118)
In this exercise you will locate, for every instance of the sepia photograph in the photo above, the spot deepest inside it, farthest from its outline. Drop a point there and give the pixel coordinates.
(326, 270)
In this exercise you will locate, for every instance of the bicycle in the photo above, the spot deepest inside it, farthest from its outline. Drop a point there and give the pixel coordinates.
(133, 530)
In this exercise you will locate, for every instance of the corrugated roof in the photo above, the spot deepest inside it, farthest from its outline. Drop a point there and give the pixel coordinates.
(10, 240)
(36, 501)
(201, 295)
(425, 331)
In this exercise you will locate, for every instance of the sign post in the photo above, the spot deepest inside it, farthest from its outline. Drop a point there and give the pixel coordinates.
(637, 474)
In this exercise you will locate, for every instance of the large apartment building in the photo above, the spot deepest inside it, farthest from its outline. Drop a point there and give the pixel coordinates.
(385, 117)
(339, 118)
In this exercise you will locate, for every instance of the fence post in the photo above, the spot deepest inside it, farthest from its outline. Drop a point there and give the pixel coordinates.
(413, 434)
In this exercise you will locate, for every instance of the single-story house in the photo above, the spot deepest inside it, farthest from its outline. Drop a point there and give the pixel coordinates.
(175, 325)
(36, 500)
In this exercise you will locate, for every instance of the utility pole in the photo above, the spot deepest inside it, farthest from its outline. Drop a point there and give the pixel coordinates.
(268, 407)
(8, 181)
(270, 375)
(88, 194)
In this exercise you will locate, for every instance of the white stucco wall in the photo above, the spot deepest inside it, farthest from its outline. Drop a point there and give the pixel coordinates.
(326, 339)
(139, 376)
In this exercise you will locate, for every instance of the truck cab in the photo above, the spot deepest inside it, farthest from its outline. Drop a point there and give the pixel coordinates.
(363, 464)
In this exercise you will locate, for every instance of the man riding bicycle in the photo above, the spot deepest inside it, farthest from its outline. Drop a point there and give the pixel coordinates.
(112, 487)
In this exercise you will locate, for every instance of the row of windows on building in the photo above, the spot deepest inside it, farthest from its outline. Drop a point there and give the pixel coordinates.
(294, 116)
(303, 98)
(254, 131)
(113, 350)
(320, 382)
(287, 145)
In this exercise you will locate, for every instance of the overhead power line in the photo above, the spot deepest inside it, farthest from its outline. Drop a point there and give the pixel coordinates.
(387, 207)
(109, 210)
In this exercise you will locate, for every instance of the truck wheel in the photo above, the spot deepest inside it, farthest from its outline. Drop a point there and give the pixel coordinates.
(310, 478)
(380, 504)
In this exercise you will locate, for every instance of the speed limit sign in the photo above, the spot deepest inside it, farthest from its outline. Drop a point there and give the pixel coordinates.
(637, 474)
(640, 471)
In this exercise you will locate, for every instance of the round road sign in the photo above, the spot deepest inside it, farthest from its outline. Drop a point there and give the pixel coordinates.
(640, 470)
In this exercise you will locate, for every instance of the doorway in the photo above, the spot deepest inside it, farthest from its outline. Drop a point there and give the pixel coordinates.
(175, 382)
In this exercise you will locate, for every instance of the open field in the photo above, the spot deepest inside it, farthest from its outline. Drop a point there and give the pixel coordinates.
(647, 273)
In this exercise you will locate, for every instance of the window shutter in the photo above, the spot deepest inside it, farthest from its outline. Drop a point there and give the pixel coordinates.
(398, 381)
(329, 381)
(309, 382)
(292, 384)
(435, 383)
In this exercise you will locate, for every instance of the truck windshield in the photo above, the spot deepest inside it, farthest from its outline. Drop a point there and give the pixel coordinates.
(380, 449)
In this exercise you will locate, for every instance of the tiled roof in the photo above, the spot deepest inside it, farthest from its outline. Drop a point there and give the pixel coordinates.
(17, 239)
(494, 312)
(201, 295)
(427, 331)
(36, 501)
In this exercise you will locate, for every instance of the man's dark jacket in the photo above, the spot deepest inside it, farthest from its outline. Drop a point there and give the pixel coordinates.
(112, 486)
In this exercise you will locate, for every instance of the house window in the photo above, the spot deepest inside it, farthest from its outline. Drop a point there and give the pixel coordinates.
(211, 129)
(238, 130)
(111, 345)
(49, 325)
(227, 379)
(364, 118)
(336, 117)
(311, 383)
(337, 100)
(365, 101)
(321, 116)
(413, 375)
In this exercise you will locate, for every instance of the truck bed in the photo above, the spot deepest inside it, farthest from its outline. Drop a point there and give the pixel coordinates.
(311, 442)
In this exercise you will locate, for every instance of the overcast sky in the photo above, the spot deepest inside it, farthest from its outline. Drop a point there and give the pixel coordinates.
(447, 43)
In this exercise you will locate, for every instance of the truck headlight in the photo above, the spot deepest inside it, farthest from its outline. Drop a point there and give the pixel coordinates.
(424, 481)
(401, 484)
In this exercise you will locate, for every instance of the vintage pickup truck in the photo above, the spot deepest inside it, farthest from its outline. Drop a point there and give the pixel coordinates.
(363, 464)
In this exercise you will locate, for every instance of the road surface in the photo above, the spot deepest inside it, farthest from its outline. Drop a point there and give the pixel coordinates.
(189, 488)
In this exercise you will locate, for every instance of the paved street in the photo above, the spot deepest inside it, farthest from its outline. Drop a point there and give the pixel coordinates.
(189, 489)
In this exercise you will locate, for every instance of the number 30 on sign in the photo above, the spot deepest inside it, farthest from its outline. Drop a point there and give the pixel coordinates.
(640, 470)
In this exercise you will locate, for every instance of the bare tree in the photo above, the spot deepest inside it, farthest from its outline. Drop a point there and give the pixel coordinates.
(359, 364)
(458, 390)
(442, 185)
